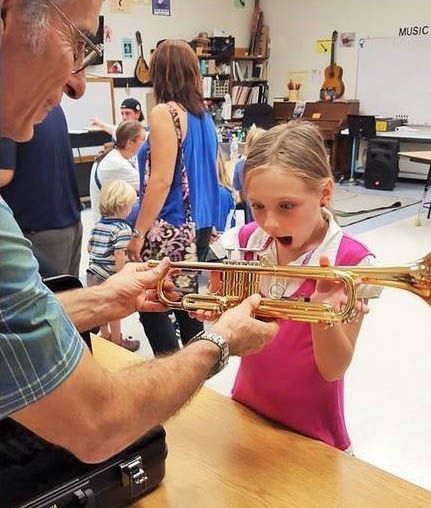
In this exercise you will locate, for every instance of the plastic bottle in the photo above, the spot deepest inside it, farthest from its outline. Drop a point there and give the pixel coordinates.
(234, 149)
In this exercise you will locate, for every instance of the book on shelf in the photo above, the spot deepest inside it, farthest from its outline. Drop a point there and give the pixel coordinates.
(248, 94)
(247, 70)
(209, 66)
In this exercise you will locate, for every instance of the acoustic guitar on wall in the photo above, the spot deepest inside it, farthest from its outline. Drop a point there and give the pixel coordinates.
(142, 71)
(333, 86)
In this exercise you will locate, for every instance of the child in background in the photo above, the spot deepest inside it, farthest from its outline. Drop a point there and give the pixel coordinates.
(226, 197)
(238, 173)
(108, 244)
(297, 379)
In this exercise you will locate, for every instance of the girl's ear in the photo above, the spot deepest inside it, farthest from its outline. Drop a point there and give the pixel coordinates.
(327, 193)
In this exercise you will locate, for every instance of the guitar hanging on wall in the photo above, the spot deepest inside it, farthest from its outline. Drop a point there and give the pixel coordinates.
(333, 86)
(142, 71)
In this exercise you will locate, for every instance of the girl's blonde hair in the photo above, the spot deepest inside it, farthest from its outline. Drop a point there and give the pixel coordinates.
(296, 148)
(223, 175)
(252, 136)
(115, 195)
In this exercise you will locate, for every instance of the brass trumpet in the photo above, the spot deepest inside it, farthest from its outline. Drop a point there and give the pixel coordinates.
(240, 279)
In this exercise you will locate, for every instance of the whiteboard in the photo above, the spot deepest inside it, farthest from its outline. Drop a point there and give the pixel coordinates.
(394, 77)
(98, 100)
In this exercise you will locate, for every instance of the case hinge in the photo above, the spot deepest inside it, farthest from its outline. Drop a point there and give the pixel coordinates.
(134, 476)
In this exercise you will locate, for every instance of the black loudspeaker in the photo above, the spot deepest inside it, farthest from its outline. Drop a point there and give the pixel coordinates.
(381, 169)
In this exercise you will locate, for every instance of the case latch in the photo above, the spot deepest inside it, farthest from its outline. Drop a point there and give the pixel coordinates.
(134, 476)
(85, 497)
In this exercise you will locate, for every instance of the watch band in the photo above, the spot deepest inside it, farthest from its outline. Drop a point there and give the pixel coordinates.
(219, 341)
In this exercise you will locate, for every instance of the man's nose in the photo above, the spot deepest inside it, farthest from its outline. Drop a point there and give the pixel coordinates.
(75, 87)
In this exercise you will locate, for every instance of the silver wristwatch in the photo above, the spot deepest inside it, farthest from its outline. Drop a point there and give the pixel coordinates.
(137, 234)
(221, 343)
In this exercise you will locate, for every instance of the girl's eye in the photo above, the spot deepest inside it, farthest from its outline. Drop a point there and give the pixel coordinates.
(286, 206)
(256, 206)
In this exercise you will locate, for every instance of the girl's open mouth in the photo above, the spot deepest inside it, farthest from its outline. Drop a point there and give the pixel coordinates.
(284, 240)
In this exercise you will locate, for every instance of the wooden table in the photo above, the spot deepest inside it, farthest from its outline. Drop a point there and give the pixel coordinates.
(222, 455)
(423, 157)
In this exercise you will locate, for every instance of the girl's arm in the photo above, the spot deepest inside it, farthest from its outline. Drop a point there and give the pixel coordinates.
(163, 147)
(334, 346)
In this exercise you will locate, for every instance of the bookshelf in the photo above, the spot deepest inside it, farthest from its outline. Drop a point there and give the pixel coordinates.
(226, 69)
(244, 78)
(249, 83)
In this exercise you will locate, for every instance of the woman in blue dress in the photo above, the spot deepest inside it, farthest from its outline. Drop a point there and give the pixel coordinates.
(178, 167)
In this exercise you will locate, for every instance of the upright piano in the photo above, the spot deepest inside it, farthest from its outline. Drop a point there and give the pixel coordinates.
(331, 118)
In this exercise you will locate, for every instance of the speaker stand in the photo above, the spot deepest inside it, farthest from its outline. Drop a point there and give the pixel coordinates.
(355, 151)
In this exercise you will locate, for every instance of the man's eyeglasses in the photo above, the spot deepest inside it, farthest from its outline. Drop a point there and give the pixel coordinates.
(89, 52)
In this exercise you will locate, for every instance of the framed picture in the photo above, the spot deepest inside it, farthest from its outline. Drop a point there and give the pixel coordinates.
(114, 66)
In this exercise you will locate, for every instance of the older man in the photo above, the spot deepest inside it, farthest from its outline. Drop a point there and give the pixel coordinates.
(49, 381)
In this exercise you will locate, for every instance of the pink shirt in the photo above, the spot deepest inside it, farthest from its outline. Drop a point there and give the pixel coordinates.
(282, 382)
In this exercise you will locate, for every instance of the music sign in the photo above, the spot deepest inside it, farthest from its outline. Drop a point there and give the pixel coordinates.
(161, 7)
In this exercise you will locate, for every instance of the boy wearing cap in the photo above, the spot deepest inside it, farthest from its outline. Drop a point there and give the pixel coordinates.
(130, 108)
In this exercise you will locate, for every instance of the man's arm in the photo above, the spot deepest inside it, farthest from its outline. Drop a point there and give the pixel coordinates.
(7, 161)
(6, 176)
(107, 127)
(108, 411)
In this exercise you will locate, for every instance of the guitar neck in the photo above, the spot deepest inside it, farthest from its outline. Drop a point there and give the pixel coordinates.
(332, 53)
(139, 41)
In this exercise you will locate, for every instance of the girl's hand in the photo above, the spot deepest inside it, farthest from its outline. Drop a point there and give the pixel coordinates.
(134, 248)
(333, 292)
(214, 284)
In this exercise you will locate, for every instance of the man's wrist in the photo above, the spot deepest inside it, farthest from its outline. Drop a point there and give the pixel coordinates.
(219, 342)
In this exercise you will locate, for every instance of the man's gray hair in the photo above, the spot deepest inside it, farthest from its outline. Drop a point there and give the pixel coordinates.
(36, 16)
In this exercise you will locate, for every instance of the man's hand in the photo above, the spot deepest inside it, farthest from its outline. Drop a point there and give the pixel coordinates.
(134, 288)
(244, 334)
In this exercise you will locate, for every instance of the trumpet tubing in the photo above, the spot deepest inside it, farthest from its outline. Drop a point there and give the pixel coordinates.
(240, 279)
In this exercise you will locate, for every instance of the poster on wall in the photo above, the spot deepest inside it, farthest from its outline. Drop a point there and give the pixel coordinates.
(127, 47)
(120, 6)
(347, 39)
(239, 4)
(323, 46)
(161, 7)
(108, 34)
(142, 2)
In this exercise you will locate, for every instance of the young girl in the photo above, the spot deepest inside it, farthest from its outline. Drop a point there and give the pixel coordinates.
(297, 379)
(117, 161)
(226, 197)
(238, 172)
(108, 244)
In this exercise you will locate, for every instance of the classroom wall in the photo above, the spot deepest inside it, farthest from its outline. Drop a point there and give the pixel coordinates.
(188, 18)
(295, 27)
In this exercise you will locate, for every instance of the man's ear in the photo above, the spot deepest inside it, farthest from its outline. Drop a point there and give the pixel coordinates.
(5, 8)
(327, 192)
(1, 22)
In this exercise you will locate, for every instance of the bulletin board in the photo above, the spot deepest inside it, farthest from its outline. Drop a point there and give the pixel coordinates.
(98, 101)
(394, 77)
